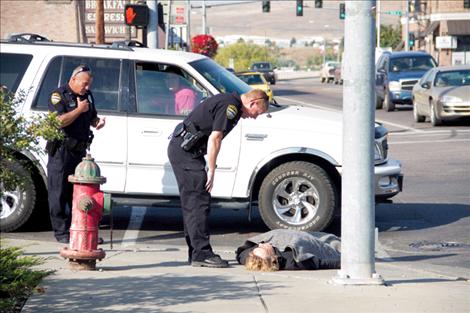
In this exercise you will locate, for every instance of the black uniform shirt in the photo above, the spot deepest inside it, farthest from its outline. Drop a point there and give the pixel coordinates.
(218, 113)
(64, 100)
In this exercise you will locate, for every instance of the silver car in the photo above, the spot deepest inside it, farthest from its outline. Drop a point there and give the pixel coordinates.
(443, 93)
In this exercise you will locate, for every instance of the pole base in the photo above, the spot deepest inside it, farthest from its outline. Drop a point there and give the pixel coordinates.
(343, 279)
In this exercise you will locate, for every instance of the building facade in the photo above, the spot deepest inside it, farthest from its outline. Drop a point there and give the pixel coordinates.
(442, 28)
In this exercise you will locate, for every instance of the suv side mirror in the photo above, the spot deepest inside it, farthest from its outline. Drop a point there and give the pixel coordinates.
(425, 85)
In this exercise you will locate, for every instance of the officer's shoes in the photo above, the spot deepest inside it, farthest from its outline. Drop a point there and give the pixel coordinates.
(212, 261)
(63, 240)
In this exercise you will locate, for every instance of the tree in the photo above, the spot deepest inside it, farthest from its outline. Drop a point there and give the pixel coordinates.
(244, 54)
(293, 41)
(390, 36)
(204, 44)
(19, 133)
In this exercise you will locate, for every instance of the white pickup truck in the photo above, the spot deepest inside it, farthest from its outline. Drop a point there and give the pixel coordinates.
(287, 162)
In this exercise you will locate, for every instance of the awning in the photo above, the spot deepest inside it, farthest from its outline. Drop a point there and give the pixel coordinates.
(430, 29)
(461, 27)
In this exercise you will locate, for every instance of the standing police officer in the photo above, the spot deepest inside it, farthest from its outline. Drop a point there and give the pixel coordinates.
(75, 107)
(202, 132)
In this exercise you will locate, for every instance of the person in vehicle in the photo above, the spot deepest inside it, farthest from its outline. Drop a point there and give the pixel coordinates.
(286, 249)
(185, 97)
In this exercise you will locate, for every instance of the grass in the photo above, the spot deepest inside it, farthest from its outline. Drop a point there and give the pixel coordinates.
(17, 278)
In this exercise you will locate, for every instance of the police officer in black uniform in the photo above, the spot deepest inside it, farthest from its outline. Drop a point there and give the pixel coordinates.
(76, 110)
(201, 133)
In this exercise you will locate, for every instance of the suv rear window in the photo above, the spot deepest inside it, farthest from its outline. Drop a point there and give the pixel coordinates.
(420, 63)
(12, 69)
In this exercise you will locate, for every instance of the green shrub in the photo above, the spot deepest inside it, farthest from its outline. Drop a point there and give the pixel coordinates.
(17, 279)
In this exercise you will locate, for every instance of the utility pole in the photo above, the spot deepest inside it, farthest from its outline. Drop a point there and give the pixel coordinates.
(152, 28)
(188, 25)
(378, 20)
(204, 17)
(357, 201)
(168, 29)
(407, 26)
(99, 22)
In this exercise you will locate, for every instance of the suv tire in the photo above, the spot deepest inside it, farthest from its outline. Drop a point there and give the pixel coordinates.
(298, 195)
(17, 205)
(378, 102)
(388, 103)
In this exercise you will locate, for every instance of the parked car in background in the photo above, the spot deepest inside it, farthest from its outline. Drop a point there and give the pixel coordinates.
(443, 93)
(396, 74)
(267, 69)
(257, 81)
(327, 72)
(338, 75)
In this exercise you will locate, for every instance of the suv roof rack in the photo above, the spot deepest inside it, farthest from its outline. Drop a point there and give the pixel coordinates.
(127, 43)
(26, 37)
(31, 38)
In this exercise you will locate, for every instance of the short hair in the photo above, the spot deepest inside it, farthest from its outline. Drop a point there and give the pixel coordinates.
(256, 94)
(81, 68)
(256, 263)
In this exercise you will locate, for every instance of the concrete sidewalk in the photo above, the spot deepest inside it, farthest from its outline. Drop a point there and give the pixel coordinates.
(157, 279)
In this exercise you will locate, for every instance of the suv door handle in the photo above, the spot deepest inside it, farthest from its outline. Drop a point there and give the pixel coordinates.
(151, 132)
(256, 137)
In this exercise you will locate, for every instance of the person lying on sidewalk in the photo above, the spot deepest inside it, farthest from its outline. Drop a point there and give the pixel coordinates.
(285, 249)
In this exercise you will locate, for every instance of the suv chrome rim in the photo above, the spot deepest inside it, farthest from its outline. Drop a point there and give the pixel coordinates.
(296, 201)
(9, 202)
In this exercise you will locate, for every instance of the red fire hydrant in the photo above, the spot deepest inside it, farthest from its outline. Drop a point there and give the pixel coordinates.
(87, 210)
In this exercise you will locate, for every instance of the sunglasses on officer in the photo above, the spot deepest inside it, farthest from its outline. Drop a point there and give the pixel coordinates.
(80, 69)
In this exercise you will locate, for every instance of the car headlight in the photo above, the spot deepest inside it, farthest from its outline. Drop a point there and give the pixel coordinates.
(394, 86)
(380, 150)
(451, 99)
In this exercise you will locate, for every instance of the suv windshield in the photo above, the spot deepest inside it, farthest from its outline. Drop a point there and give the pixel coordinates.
(254, 79)
(261, 66)
(418, 63)
(453, 78)
(219, 77)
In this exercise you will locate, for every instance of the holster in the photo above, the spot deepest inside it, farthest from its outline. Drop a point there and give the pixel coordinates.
(192, 138)
(52, 147)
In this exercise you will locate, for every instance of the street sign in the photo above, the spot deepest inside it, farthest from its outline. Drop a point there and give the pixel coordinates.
(397, 13)
(446, 42)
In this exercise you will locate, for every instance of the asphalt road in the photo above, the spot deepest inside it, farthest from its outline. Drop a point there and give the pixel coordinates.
(427, 225)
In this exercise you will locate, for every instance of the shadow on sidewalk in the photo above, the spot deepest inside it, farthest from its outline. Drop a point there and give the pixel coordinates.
(153, 292)
(418, 281)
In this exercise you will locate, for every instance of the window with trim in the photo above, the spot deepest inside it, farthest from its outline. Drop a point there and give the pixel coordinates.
(166, 90)
(105, 84)
(12, 69)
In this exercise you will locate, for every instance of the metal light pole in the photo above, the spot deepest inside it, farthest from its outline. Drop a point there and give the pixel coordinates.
(167, 34)
(407, 26)
(378, 22)
(204, 17)
(358, 207)
(152, 28)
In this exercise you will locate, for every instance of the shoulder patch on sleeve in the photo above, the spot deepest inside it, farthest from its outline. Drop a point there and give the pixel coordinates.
(56, 98)
(232, 111)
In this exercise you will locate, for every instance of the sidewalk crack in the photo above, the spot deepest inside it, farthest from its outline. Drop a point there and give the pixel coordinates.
(260, 295)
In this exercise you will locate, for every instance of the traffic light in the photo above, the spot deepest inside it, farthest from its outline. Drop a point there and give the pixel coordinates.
(299, 8)
(266, 6)
(466, 4)
(136, 15)
(161, 21)
(318, 4)
(411, 40)
(342, 11)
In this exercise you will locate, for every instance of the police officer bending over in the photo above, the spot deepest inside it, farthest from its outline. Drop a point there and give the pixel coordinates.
(75, 107)
(202, 132)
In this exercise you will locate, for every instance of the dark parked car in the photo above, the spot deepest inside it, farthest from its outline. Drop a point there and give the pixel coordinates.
(396, 74)
(443, 93)
(267, 69)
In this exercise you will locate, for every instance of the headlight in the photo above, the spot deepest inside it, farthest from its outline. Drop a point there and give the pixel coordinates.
(394, 86)
(451, 99)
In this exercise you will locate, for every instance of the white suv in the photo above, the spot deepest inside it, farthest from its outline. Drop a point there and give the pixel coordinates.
(287, 162)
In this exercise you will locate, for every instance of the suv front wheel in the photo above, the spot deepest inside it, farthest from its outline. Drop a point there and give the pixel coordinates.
(17, 205)
(388, 103)
(297, 195)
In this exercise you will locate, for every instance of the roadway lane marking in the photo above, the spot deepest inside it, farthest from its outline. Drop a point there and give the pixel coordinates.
(135, 222)
(318, 106)
(411, 129)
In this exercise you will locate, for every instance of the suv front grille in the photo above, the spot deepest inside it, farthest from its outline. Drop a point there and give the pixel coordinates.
(408, 84)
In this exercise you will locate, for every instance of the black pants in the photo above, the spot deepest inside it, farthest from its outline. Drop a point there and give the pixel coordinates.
(195, 200)
(60, 191)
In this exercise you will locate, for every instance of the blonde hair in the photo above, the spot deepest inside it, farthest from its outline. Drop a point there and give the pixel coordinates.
(256, 263)
(256, 94)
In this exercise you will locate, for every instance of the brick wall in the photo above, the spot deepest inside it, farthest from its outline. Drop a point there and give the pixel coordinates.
(54, 19)
(447, 6)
